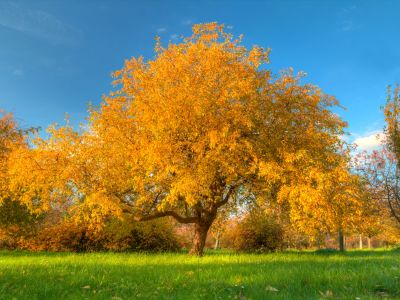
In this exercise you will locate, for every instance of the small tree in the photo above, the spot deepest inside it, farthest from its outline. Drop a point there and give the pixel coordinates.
(332, 202)
(391, 178)
(10, 138)
(379, 168)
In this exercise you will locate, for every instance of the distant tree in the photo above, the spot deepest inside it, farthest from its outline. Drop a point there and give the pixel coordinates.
(379, 168)
(332, 202)
(10, 137)
(201, 127)
(13, 214)
(391, 155)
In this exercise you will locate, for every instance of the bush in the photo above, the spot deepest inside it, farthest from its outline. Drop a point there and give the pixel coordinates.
(64, 236)
(117, 235)
(155, 236)
(16, 222)
(13, 213)
(8, 240)
(258, 232)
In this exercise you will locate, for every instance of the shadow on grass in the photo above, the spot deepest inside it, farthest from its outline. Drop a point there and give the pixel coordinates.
(208, 253)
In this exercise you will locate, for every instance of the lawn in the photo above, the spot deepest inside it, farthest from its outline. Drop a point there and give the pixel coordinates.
(218, 275)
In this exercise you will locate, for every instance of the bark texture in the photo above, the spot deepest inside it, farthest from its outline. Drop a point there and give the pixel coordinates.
(199, 240)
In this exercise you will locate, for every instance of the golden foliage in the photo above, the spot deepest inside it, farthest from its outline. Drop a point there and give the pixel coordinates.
(329, 202)
(202, 125)
(11, 138)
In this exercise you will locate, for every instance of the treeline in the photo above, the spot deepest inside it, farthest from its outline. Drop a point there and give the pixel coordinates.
(205, 136)
(255, 231)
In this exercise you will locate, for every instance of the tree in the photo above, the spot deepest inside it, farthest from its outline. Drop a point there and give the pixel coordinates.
(202, 126)
(11, 137)
(391, 155)
(331, 202)
(379, 168)
(13, 214)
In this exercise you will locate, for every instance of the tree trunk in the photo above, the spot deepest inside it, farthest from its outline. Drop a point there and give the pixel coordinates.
(341, 240)
(369, 242)
(199, 240)
(319, 243)
(217, 241)
(361, 242)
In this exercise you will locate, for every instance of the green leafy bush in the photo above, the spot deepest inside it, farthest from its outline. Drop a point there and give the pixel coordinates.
(155, 236)
(258, 232)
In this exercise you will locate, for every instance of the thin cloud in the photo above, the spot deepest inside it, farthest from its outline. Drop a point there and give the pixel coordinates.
(161, 30)
(349, 9)
(369, 141)
(346, 19)
(174, 36)
(347, 25)
(37, 23)
(187, 22)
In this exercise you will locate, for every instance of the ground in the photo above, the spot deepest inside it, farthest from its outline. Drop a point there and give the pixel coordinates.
(218, 275)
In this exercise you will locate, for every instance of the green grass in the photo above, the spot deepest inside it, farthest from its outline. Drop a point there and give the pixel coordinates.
(218, 275)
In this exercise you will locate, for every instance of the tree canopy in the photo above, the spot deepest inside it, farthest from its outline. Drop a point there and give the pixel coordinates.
(201, 126)
(11, 137)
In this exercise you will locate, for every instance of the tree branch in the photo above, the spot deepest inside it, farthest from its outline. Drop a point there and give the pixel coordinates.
(179, 218)
(226, 198)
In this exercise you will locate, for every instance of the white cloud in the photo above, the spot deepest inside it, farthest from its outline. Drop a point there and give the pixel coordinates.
(174, 36)
(187, 22)
(161, 30)
(370, 141)
(36, 23)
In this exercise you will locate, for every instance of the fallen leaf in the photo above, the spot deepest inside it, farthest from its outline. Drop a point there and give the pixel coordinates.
(271, 289)
(326, 294)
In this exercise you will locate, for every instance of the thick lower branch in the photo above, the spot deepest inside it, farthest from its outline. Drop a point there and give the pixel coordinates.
(179, 218)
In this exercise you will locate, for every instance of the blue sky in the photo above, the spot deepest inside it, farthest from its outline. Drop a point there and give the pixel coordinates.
(57, 56)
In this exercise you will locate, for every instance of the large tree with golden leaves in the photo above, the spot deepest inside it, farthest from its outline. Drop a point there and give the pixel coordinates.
(202, 126)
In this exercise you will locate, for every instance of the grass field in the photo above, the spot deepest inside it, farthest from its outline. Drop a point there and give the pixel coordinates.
(222, 275)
